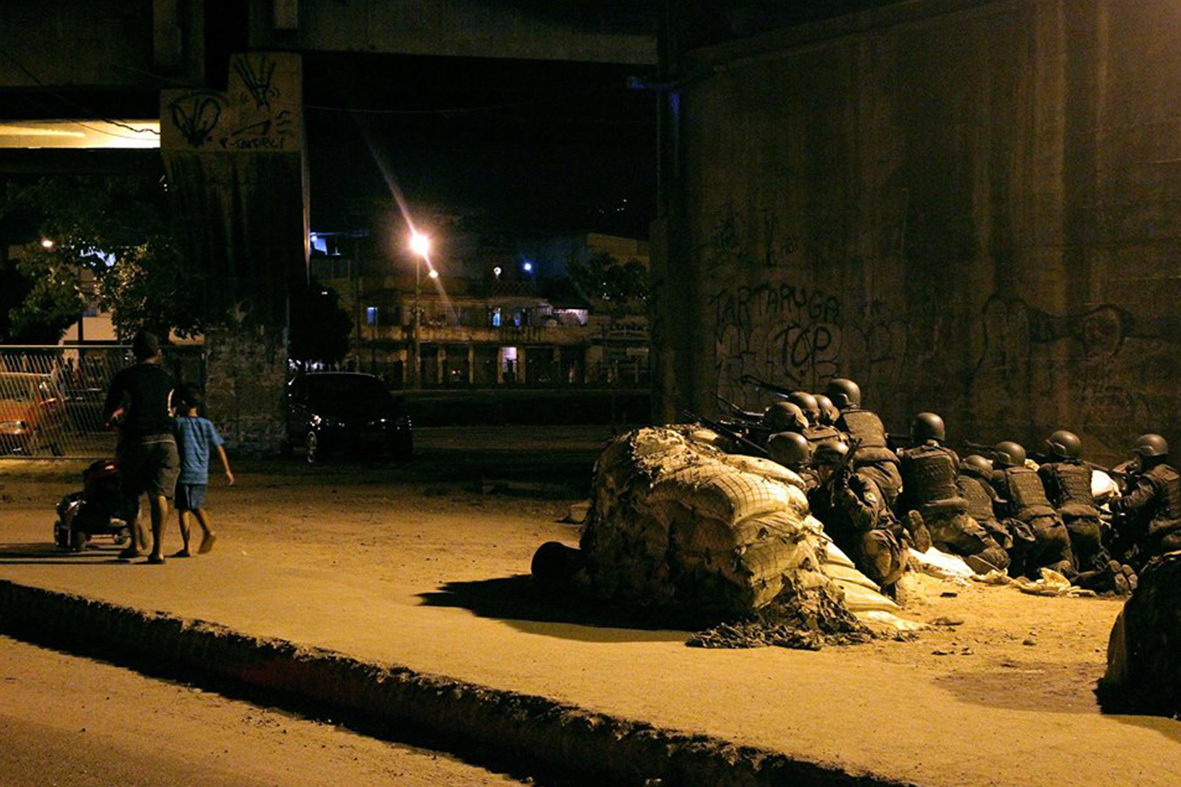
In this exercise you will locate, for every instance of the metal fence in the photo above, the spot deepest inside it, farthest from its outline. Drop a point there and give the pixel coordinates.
(51, 397)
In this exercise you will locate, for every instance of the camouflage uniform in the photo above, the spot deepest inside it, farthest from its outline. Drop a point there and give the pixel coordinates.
(857, 519)
(1151, 523)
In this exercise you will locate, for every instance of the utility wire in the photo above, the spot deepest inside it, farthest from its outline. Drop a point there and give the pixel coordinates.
(89, 112)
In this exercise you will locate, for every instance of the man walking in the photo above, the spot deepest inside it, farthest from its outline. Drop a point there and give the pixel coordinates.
(147, 456)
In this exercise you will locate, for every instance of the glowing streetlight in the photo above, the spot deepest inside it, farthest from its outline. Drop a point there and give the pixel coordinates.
(434, 274)
(420, 244)
(527, 267)
(47, 243)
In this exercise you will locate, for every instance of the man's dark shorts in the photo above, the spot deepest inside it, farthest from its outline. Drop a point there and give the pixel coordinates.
(149, 465)
(190, 497)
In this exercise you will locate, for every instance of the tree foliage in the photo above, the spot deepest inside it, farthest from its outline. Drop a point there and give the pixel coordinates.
(115, 233)
(601, 277)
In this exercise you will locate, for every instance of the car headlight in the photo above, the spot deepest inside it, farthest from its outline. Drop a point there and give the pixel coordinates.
(13, 426)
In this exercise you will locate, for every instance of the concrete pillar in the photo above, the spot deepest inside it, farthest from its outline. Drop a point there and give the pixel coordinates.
(440, 363)
(471, 364)
(238, 180)
(522, 371)
(500, 365)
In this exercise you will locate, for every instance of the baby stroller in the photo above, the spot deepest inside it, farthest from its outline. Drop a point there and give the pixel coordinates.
(95, 511)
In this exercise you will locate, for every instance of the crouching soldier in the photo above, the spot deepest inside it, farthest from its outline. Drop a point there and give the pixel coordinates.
(1149, 514)
(1067, 480)
(975, 486)
(856, 516)
(873, 459)
(791, 450)
(930, 493)
(1024, 508)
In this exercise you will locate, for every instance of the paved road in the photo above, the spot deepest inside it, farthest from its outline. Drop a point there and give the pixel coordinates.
(76, 722)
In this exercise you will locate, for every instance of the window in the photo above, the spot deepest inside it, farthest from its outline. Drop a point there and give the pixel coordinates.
(496, 317)
(371, 315)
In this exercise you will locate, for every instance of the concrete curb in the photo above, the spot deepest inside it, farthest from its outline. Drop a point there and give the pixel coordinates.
(566, 737)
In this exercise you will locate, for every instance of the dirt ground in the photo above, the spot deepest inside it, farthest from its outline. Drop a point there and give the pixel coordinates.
(113, 726)
(989, 645)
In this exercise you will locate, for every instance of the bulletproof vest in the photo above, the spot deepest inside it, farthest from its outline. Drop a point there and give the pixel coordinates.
(1026, 495)
(865, 426)
(1071, 488)
(1169, 496)
(976, 495)
(928, 474)
(820, 434)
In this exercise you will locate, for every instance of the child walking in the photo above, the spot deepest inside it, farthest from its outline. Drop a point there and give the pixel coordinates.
(195, 436)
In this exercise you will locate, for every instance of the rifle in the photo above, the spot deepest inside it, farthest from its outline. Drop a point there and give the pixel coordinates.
(726, 431)
(778, 390)
(839, 471)
(979, 448)
(737, 411)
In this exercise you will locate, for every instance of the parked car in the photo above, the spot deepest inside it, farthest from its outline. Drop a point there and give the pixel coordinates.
(32, 414)
(330, 412)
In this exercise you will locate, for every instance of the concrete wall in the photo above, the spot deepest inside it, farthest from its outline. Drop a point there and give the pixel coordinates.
(974, 212)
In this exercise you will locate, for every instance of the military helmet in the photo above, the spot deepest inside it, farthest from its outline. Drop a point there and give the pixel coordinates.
(1008, 454)
(806, 402)
(1151, 446)
(843, 392)
(784, 417)
(829, 453)
(1064, 444)
(976, 465)
(828, 411)
(789, 449)
(928, 426)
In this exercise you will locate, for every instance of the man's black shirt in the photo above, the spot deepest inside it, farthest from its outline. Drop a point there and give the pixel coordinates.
(143, 390)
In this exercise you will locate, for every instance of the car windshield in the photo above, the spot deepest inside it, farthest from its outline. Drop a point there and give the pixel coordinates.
(346, 389)
(17, 389)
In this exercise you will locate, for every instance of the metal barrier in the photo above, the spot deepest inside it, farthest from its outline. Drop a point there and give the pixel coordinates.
(51, 397)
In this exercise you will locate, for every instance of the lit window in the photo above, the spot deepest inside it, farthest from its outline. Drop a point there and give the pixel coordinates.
(371, 315)
(496, 317)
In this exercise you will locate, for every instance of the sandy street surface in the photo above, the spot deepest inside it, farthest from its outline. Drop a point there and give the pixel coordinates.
(75, 722)
(1000, 688)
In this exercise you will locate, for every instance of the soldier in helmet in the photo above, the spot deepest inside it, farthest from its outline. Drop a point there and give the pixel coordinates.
(791, 449)
(930, 494)
(784, 417)
(856, 516)
(975, 486)
(1067, 480)
(874, 459)
(810, 427)
(1024, 508)
(1150, 512)
(829, 414)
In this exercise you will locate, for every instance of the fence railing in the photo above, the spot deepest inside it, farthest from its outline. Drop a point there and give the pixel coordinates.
(51, 397)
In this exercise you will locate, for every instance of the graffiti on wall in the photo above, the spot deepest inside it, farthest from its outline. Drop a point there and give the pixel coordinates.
(258, 112)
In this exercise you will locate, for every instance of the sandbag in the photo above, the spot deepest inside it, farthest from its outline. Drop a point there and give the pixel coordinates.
(676, 522)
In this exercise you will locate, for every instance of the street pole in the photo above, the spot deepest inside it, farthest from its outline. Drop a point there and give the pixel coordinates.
(416, 372)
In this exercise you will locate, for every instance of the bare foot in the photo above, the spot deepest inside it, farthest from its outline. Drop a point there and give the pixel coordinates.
(155, 560)
(207, 543)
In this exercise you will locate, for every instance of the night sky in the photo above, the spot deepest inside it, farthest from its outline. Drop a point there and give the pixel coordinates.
(523, 145)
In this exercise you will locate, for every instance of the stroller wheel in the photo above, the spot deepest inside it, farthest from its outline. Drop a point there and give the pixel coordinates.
(78, 540)
(61, 535)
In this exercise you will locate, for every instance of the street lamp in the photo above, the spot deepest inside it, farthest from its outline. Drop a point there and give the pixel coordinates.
(421, 246)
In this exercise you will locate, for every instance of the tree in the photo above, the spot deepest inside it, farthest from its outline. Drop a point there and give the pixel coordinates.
(119, 230)
(601, 277)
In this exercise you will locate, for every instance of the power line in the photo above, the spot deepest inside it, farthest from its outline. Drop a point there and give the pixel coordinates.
(89, 112)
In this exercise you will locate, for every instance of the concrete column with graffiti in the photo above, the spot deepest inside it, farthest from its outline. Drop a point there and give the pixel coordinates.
(238, 177)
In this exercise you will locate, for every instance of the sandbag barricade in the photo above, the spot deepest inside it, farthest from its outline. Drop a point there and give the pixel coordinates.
(677, 523)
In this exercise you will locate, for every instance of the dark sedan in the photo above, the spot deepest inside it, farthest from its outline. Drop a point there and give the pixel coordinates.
(330, 412)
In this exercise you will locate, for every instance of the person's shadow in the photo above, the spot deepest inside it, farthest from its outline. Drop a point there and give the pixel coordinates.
(41, 554)
(517, 601)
